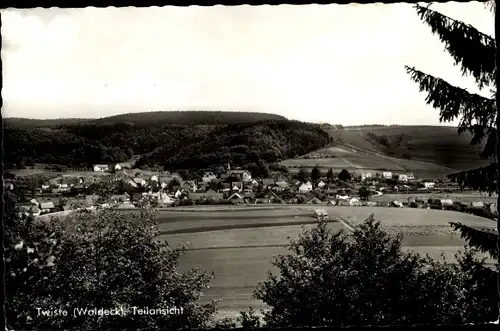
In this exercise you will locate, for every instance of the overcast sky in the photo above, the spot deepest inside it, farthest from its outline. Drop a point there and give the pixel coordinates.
(342, 64)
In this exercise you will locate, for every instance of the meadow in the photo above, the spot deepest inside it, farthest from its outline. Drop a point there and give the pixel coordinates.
(238, 245)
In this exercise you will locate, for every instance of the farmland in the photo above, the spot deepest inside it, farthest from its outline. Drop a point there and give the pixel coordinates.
(433, 151)
(239, 251)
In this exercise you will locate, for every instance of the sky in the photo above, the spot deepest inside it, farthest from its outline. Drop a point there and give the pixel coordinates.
(338, 64)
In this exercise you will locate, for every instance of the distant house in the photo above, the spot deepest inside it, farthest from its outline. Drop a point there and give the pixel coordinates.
(47, 207)
(446, 202)
(208, 177)
(243, 174)
(235, 198)
(254, 182)
(101, 167)
(280, 186)
(321, 184)
(304, 188)
(139, 181)
(342, 197)
(165, 199)
(209, 194)
(403, 177)
(387, 174)
(177, 194)
(237, 186)
(366, 175)
(354, 202)
(34, 202)
(118, 167)
(429, 184)
(477, 204)
(410, 176)
(268, 183)
(154, 178)
(190, 185)
(34, 210)
(70, 181)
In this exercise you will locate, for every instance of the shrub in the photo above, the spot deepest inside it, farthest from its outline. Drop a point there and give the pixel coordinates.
(101, 259)
(331, 279)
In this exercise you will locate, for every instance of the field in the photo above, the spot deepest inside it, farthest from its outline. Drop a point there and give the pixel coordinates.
(465, 197)
(238, 245)
(436, 151)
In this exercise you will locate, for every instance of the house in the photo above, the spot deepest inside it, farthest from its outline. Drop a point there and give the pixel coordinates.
(34, 210)
(446, 202)
(342, 197)
(101, 167)
(321, 213)
(280, 186)
(387, 174)
(208, 177)
(305, 187)
(226, 187)
(314, 201)
(165, 200)
(321, 184)
(209, 194)
(254, 182)
(267, 183)
(154, 178)
(366, 175)
(354, 202)
(34, 202)
(429, 184)
(139, 181)
(237, 186)
(243, 174)
(396, 203)
(177, 194)
(125, 205)
(332, 202)
(190, 186)
(403, 177)
(477, 204)
(371, 203)
(132, 183)
(47, 207)
(410, 176)
(235, 198)
(118, 167)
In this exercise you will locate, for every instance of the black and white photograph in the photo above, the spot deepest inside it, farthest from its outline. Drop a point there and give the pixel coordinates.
(247, 166)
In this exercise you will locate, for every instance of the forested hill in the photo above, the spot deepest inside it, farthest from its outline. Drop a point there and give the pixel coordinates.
(173, 146)
(152, 119)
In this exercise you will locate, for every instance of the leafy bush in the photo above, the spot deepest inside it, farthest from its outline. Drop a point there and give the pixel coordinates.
(332, 279)
(101, 259)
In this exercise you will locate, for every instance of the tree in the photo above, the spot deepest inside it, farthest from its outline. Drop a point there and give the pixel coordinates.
(364, 193)
(302, 175)
(334, 279)
(315, 174)
(475, 53)
(344, 175)
(329, 175)
(101, 259)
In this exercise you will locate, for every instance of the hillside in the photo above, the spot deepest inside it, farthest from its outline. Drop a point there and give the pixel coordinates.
(191, 141)
(424, 150)
(152, 118)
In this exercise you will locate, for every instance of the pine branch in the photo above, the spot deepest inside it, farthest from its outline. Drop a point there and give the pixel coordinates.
(474, 51)
(483, 239)
(482, 179)
(477, 114)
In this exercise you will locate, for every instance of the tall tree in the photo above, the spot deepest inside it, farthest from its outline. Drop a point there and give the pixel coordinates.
(474, 52)
(329, 175)
(315, 174)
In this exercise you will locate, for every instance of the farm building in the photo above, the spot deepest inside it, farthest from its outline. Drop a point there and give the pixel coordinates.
(446, 202)
(387, 174)
(101, 167)
(366, 175)
(305, 187)
(429, 184)
(403, 177)
(321, 184)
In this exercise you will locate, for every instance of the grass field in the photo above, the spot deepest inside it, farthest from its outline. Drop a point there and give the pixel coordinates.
(435, 152)
(240, 248)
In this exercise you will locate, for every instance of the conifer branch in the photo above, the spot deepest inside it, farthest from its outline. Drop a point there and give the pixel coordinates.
(483, 179)
(477, 114)
(473, 50)
(483, 239)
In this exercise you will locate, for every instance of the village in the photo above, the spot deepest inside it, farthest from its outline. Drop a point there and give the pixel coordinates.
(132, 188)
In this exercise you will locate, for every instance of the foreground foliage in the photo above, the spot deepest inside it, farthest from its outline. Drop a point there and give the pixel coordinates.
(97, 260)
(335, 279)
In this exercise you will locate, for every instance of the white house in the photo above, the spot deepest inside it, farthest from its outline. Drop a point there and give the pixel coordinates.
(305, 187)
(342, 197)
(139, 181)
(446, 202)
(411, 176)
(366, 175)
(245, 175)
(321, 184)
(177, 194)
(354, 202)
(254, 183)
(47, 207)
(429, 184)
(387, 174)
(118, 167)
(165, 199)
(101, 167)
(477, 204)
(403, 177)
(154, 178)
(208, 177)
